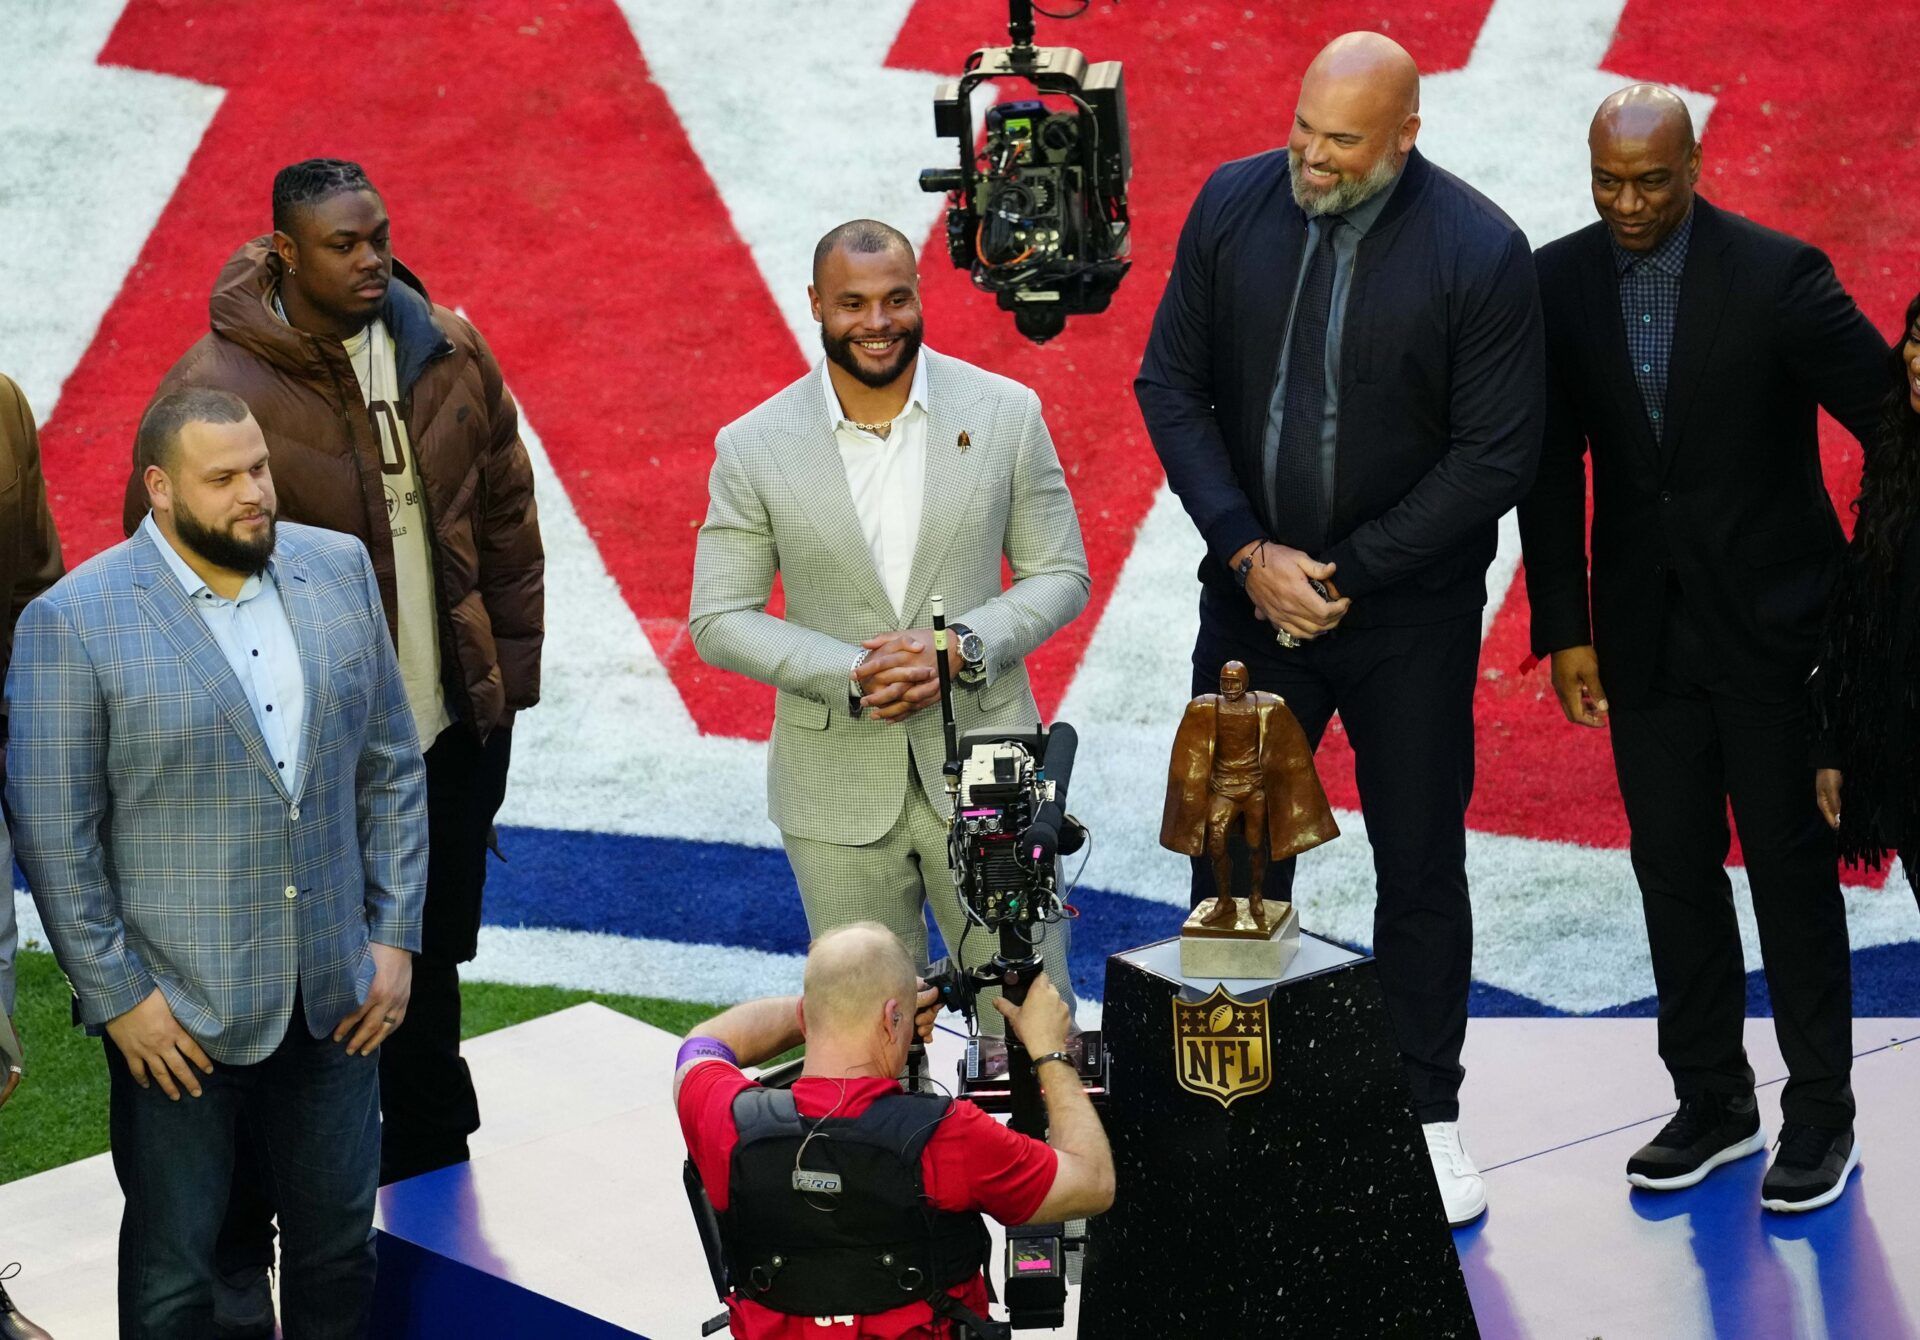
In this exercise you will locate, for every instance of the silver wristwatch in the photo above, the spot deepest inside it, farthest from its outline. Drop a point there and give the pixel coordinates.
(854, 690)
(973, 654)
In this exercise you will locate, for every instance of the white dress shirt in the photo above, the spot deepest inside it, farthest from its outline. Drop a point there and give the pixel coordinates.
(887, 477)
(252, 632)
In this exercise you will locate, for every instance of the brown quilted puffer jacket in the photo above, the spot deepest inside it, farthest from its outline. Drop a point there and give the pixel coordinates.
(489, 568)
(29, 548)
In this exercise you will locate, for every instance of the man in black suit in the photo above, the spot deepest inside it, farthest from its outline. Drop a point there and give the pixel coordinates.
(1344, 383)
(1689, 349)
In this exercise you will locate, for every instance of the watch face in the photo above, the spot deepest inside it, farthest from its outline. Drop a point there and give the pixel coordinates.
(973, 648)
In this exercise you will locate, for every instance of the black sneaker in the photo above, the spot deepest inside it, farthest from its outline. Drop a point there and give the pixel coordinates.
(13, 1326)
(1811, 1165)
(243, 1304)
(1707, 1131)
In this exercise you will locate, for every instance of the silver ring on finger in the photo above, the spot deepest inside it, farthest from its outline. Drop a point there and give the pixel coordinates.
(1285, 639)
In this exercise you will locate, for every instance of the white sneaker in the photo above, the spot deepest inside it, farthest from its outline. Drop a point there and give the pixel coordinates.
(1462, 1190)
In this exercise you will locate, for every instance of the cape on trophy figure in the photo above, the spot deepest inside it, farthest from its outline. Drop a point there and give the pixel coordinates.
(1242, 764)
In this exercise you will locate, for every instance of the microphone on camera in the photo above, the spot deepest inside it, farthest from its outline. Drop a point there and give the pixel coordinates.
(1053, 831)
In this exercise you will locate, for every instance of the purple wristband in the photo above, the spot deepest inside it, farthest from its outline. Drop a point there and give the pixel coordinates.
(696, 1049)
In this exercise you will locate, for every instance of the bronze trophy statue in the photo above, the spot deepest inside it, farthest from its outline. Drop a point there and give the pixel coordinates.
(1242, 763)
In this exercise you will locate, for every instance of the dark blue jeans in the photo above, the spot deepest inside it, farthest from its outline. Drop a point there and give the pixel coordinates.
(313, 1114)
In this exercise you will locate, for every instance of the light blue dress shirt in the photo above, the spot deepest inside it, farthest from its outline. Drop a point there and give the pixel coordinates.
(254, 635)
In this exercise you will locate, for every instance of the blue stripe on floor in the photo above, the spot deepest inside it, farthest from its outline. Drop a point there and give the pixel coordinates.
(729, 894)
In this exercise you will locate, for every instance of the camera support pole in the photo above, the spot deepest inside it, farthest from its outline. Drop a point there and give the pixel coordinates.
(1015, 965)
(1020, 25)
(951, 768)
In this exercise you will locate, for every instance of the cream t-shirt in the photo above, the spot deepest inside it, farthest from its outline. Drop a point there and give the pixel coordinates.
(371, 353)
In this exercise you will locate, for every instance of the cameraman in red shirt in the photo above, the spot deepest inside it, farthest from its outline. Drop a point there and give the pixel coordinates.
(850, 1209)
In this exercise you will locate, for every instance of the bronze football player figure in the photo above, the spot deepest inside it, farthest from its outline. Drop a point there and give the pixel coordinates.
(1241, 761)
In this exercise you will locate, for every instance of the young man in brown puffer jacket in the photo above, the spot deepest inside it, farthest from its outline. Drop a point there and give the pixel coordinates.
(29, 563)
(386, 418)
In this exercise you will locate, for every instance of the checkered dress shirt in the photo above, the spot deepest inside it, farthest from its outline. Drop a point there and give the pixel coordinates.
(1649, 302)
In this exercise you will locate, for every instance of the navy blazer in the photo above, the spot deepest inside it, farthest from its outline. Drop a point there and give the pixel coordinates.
(1729, 499)
(1442, 383)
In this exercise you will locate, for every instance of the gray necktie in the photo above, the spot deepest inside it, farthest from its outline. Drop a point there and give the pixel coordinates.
(1298, 504)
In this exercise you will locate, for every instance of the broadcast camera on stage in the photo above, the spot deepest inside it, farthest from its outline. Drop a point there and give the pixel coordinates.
(1039, 214)
(1009, 827)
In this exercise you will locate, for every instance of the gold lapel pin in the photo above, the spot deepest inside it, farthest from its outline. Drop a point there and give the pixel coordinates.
(964, 441)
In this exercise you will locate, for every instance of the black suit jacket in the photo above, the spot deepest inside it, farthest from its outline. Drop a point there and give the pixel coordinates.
(1727, 500)
(1441, 376)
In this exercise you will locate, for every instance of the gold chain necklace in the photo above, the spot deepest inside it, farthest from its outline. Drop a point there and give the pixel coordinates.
(881, 429)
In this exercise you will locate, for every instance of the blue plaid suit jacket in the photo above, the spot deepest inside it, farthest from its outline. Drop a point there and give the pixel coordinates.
(162, 846)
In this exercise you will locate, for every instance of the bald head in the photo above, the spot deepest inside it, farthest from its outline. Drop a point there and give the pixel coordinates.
(851, 974)
(1645, 162)
(1374, 66)
(1642, 112)
(1355, 124)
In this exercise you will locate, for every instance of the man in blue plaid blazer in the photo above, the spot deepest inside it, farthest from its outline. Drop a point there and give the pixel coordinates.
(220, 806)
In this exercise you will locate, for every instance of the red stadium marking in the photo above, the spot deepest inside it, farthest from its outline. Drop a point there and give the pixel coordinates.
(1791, 143)
(539, 179)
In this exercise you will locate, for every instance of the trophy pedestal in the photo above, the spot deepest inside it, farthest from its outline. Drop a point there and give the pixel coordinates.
(1271, 1176)
(1245, 949)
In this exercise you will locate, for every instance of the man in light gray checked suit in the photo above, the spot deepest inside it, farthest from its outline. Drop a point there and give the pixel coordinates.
(887, 475)
(220, 805)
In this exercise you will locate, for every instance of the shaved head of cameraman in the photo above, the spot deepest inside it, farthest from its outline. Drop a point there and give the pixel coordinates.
(815, 1185)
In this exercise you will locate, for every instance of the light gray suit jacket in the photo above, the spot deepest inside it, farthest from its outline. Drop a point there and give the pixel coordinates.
(164, 848)
(779, 501)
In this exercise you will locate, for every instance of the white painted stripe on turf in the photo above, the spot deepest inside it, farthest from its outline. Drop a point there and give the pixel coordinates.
(527, 956)
(93, 153)
(722, 974)
(1501, 572)
(1513, 123)
(612, 746)
(790, 155)
(1544, 953)
(1534, 934)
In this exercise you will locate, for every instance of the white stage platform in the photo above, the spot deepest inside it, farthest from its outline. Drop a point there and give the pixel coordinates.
(575, 1193)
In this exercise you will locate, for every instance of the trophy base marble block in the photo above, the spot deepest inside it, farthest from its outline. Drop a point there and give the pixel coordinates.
(1247, 948)
(1270, 1170)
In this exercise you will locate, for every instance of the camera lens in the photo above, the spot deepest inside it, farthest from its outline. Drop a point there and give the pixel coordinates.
(1040, 322)
(1012, 200)
(939, 181)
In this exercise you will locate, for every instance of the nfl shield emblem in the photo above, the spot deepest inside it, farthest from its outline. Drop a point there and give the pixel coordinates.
(1222, 1047)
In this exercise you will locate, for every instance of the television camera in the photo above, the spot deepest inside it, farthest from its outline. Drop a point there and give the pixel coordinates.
(1038, 214)
(1009, 827)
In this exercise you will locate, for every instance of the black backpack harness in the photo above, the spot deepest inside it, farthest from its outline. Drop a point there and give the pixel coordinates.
(831, 1217)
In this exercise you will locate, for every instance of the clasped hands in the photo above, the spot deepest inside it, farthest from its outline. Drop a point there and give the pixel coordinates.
(1278, 586)
(899, 676)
